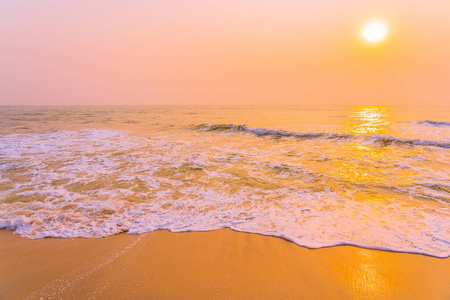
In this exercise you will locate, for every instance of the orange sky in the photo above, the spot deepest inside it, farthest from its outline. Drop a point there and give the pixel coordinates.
(223, 52)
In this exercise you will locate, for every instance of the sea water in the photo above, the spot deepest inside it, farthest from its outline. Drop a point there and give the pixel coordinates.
(377, 177)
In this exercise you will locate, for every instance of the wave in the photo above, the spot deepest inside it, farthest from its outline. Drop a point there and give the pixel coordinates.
(434, 123)
(265, 131)
(375, 139)
(386, 140)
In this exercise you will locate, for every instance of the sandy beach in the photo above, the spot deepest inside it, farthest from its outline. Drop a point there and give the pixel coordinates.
(215, 264)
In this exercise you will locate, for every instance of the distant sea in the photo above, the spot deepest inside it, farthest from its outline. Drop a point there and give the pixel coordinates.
(377, 177)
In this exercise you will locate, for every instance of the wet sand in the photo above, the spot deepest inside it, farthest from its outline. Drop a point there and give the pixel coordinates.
(205, 265)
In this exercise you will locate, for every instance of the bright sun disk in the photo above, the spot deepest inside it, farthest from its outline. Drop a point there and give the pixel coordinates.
(374, 32)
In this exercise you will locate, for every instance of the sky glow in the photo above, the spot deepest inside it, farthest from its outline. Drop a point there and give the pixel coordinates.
(223, 53)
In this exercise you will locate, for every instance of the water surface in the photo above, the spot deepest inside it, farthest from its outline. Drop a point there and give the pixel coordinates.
(377, 177)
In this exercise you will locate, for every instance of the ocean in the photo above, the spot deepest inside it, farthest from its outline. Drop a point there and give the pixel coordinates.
(376, 177)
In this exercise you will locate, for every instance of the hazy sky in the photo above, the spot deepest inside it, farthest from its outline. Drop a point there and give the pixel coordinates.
(256, 52)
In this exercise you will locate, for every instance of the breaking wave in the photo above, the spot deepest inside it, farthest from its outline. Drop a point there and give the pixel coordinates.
(434, 123)
(265, 131)
(377, 140)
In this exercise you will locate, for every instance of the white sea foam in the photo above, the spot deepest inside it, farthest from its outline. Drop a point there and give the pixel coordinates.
(95, 183)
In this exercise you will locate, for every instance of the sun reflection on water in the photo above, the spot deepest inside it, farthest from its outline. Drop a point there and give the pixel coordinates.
(361, 163)
(368, 120)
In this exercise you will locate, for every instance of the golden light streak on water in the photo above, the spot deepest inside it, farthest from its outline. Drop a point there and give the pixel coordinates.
(369, 120)
(361, 171)
(361, 163)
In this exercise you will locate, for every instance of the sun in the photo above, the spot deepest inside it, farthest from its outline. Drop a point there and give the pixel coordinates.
(374, 32)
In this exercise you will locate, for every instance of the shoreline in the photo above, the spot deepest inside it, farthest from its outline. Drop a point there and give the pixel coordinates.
(211, 264)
